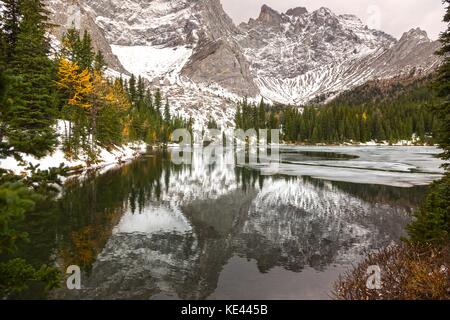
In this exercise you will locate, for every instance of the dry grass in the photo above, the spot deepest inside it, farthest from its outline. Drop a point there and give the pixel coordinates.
(408, 272)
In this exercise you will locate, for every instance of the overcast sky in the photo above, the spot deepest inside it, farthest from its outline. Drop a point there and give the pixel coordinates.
(391, 16)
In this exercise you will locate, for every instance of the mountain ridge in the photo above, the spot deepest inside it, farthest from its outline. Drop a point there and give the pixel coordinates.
(191, 48)
(321, 53)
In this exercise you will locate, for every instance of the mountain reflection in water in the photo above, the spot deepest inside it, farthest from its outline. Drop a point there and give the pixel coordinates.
(155, 230)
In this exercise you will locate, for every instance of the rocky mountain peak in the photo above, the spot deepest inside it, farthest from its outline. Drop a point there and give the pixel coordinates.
(297, 12)
(351, 17)
(323, 11)
(415, 34)
(269, 15)
(324, 16)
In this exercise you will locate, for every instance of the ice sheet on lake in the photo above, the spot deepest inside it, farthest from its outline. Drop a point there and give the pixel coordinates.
(393, 166)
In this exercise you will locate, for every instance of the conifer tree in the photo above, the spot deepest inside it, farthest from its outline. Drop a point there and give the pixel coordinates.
(111, 110)
(167, 112)
(86, 58)
(99, 62)
(149, 100)
(3, 51)
(71, 45)
(133, 89)
(17, 200)
(262, 115)
(432, 220)
(140, 90)
(212, 124)
(31, 113)
(3, 86)
(158, 101)
(10, 25)
(442, 85)
(77, 84)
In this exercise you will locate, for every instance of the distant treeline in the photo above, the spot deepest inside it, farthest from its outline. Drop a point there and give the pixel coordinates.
(377, 111)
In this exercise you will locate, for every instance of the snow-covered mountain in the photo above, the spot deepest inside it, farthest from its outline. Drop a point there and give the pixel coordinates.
(298, 56)
(194, 51)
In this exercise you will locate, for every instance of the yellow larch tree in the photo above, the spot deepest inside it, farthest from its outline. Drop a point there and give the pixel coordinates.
(77, 84)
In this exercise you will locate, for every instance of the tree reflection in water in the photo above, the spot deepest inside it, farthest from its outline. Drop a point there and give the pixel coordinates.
(155, 229)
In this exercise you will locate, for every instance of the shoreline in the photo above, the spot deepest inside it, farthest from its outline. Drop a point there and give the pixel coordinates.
(367, 144)
(118, 155)
(122, 155)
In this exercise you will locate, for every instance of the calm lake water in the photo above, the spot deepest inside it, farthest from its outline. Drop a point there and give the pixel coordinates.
(155, 230)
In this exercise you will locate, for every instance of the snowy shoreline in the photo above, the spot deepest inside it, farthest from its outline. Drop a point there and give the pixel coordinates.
(116, 156)
(403, 143)
(106, 157)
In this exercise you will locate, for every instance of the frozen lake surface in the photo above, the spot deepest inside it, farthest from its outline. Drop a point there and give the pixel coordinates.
(392, 166)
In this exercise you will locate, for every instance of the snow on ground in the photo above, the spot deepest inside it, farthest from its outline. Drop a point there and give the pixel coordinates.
(107, 158)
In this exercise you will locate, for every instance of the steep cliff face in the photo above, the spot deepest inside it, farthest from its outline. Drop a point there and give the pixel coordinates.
(71, 13)
(192, 48)
(168, 39)
(217, 59)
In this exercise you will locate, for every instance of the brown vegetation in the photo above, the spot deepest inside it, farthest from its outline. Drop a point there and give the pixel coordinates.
(408, 272)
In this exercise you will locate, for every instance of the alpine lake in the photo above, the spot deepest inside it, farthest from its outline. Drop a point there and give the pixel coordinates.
(152, 229)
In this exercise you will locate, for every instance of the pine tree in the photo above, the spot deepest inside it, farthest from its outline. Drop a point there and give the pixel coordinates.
(31, 113)
(132, 89)
(432, 220)
(99, 62)
(4, 48)
(86, 58)
(442, 85)
(11, 18)
(140, 90)
(148, 101)
(158, 101)
(167, 117)
(262, 115)
(71, 45)
(212, 124)
(17, 200)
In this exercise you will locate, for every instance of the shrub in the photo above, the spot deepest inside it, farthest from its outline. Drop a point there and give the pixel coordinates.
(408, 272)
